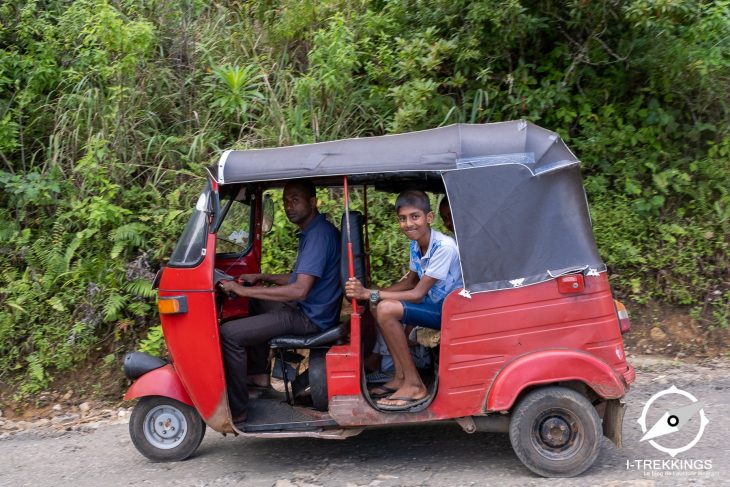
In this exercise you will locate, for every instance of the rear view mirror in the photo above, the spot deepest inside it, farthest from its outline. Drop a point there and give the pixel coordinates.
(267, 221)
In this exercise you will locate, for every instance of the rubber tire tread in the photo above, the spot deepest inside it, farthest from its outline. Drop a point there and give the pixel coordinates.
(193, 438)
(554, 396)
(318, 378)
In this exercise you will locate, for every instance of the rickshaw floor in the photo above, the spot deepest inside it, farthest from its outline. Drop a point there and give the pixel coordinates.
(275, 414)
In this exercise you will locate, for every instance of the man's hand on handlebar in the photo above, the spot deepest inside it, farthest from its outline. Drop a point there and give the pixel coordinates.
(248, 279)
(231, 288)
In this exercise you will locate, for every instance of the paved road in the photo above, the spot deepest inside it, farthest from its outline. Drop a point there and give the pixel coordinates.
(424, 455)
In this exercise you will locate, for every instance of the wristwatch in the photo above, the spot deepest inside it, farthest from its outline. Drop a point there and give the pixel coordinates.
(374, 296)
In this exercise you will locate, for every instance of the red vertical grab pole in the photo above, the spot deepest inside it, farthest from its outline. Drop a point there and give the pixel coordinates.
(350, 259)
(344, 361)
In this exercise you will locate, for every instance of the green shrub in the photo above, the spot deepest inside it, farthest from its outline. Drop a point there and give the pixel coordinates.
(110, 111)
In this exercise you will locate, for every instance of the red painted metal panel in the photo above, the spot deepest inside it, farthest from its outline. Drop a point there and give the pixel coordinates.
(343, 364)
(235, 267)
(192, 338)
(159, 382)
(483, 333)
(550, 366)
(629, 375)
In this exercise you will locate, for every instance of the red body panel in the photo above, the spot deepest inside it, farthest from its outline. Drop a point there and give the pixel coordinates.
(235, 267)
(343, 364)
(482, 335)
(550, 366)
(159, 382)
(192, 338)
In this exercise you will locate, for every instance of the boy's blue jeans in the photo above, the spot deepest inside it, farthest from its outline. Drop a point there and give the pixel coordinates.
(426, 314)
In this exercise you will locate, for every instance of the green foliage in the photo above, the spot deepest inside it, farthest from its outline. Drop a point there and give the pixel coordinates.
(236, 91)
(109, 112)
(154, 342)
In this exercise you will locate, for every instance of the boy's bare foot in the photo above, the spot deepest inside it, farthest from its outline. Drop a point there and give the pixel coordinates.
(405, 396)
(381, 391)
(393, 385)
(386, 389)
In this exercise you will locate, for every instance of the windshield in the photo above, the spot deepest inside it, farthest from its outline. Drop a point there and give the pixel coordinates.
(191, 246)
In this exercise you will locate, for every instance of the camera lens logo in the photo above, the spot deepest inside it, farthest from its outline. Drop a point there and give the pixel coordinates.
(673, 421)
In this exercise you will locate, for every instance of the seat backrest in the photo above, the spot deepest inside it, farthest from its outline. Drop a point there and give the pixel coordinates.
(358, 248)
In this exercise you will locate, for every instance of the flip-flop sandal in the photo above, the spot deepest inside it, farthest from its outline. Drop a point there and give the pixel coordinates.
(381, 391)
(409, 403)
(378, 378)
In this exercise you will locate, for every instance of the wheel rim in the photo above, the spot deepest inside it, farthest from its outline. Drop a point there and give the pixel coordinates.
(557, 434)
(165, 427)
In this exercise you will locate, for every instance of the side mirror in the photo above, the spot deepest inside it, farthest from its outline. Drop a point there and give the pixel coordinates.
(267, 221)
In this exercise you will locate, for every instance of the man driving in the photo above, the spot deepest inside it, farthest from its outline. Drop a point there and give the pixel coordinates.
(304, 302)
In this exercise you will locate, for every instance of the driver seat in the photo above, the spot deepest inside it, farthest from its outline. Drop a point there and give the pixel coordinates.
(319, 343)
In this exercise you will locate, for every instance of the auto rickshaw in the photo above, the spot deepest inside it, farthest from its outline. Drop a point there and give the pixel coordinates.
(531, 346)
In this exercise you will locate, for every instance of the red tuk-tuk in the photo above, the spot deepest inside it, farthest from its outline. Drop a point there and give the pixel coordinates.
(531, 346)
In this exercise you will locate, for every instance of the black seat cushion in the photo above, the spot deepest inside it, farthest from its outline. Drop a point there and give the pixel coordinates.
(358, 248)
(327, 337)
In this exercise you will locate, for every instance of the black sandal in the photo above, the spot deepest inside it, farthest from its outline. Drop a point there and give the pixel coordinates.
(381, 391)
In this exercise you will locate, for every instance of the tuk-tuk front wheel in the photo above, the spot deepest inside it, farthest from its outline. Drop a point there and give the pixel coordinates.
(165, 430)
(556, 432)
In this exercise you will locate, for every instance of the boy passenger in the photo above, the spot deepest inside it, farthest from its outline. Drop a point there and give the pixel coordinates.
(414, 300)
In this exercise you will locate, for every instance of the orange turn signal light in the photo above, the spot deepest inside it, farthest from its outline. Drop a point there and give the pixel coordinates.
(172, 305)
(623, 316)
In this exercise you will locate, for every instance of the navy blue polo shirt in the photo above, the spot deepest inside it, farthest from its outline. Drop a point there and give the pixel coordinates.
(319, 256)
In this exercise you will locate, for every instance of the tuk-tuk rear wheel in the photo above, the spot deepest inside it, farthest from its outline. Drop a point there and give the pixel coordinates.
(556, 432)
(165, 430)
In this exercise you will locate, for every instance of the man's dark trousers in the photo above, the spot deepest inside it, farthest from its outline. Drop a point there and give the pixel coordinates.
(268, 319)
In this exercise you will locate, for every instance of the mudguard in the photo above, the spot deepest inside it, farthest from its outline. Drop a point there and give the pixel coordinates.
(550, 366)
(159, 382)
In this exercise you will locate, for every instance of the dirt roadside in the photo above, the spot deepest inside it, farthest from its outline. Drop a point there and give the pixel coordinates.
(94, 449)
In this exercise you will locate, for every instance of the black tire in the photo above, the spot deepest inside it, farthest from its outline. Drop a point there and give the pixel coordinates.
(165, 430)
(318, 378)
(556, 432)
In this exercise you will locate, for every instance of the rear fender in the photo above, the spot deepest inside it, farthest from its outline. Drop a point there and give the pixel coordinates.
(159, 382)
(548, 367)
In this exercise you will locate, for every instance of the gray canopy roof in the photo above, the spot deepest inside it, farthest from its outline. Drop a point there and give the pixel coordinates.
(515, 191)
(439, 149)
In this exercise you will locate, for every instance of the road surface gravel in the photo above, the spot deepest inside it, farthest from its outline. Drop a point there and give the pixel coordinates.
(439, 454)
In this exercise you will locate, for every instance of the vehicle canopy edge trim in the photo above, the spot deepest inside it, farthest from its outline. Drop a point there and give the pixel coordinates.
(524, 158)
(439, 172)
(556, 166)
(349, 174)
(222, 166)
(501, 160)
(210, 173)
(456, 236)
(478, 289)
